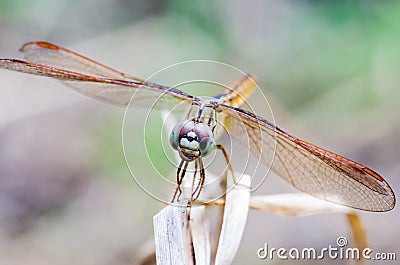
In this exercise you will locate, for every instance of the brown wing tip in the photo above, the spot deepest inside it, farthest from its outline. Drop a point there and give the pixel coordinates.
(384, 185)
(42, 44)
(372, 173)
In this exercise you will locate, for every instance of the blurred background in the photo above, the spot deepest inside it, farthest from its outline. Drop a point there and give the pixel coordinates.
(330, 70)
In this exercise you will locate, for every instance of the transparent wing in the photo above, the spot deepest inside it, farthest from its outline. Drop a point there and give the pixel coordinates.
(55, 56)
(92, 78)
(309, 168)
(236, 94)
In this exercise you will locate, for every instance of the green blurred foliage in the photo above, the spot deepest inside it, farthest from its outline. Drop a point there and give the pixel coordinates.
(336, 41)
(201, 15)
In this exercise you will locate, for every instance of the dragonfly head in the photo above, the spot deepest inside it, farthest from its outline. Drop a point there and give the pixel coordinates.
(192, 139)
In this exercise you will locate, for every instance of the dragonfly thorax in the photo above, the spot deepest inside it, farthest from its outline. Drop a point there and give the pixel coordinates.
(192, 139)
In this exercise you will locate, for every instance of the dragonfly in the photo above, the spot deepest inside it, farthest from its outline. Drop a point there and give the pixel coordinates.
(307, 167)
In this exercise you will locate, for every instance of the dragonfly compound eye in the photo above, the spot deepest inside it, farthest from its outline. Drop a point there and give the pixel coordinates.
(207, 144)
(174, 136)
(206, 137)
(181, 132)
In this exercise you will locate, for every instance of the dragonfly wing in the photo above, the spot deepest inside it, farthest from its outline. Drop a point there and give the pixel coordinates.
(113, 91)
(129, 93)
(237, 93)
(309, 168)
(55, 56)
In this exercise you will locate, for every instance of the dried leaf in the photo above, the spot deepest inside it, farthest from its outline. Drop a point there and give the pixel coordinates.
(171, 242)
(234, 220)
(200, 229)
(294, 204)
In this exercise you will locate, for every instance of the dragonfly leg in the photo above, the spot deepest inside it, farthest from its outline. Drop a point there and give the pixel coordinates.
(199, 112)
(215, 121)
(180, 174)
(196, 168)
(197, 191)
(228, 162)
